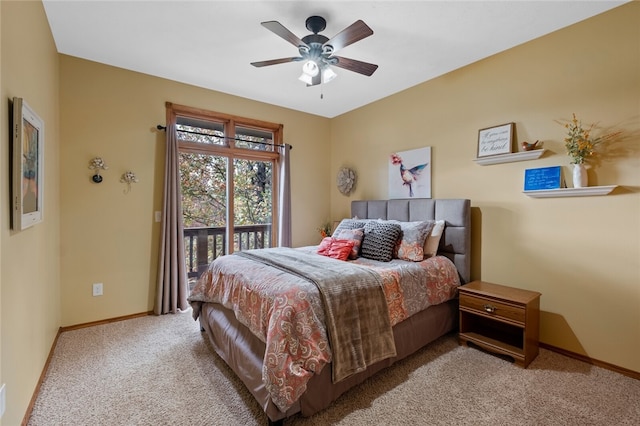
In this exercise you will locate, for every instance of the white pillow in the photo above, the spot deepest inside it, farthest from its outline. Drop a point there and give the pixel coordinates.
(433, 240)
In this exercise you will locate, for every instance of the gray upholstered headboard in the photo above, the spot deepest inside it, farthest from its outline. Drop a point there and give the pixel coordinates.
(456, 239)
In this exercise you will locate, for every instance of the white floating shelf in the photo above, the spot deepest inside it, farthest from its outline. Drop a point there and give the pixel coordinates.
(589, 191)
(510, 158)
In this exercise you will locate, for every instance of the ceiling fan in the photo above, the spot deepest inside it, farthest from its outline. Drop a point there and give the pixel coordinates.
(317, 51)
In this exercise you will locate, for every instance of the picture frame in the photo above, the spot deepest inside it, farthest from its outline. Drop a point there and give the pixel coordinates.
(543, 178)
(27, 172)
(495, 140)
(410, 174)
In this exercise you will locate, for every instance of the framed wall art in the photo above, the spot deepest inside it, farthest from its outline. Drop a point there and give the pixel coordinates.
(27, 166)
(410, 174)
(495, 140)
(543, 178)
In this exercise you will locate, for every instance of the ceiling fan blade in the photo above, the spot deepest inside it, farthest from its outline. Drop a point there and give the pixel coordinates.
(354, 32)
(360, 67)
(276, 61)
(278, 29)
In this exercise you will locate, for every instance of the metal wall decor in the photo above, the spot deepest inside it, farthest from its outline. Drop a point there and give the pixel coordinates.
(128, 177)
(346, 180)
(96, 164)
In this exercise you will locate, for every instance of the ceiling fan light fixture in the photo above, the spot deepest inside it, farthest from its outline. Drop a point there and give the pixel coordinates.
(306, 78)
(310, 68)
(328, 74)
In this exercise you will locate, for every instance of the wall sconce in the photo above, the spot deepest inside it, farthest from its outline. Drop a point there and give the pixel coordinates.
(97, 164)
(128, 177)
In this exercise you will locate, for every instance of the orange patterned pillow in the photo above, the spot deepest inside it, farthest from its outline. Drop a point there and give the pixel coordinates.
(410, 246)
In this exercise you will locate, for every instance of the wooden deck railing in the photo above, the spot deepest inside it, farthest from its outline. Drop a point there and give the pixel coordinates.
(203, 245)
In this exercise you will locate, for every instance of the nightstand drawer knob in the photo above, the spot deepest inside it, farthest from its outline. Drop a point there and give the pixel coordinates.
(490, 309)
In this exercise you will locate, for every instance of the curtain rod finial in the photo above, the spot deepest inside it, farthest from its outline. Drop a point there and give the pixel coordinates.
(161, 127)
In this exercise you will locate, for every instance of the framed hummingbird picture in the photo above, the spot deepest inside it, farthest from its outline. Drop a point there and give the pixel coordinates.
(410, 174)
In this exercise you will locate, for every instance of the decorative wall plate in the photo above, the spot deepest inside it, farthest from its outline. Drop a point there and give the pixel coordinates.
(346, 180)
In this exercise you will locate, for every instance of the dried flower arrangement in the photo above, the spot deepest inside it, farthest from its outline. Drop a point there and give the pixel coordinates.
(579, 143)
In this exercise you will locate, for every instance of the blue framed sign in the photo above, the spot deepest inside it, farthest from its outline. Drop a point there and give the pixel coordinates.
(542, 178)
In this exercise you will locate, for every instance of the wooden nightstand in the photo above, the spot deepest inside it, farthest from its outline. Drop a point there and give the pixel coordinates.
(500, 319)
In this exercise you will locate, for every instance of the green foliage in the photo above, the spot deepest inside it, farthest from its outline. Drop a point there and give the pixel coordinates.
(253, 192)
(204, 191)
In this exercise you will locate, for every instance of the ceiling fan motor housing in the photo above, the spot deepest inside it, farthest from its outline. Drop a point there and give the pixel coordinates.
(315, 42)
(315, 24)
(314, 47)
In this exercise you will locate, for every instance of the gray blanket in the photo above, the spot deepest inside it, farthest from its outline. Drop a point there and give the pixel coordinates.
(356, 310)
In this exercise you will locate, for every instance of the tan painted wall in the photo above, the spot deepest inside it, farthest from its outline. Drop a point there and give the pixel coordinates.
(30, 259)
(582, 254)
(109, 236)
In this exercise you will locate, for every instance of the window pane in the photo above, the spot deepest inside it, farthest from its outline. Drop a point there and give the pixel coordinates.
(253, 188)
(249, 138)
(204, 201)
(200, 131)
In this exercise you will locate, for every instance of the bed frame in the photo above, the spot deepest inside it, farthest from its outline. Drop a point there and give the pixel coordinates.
(244, 352)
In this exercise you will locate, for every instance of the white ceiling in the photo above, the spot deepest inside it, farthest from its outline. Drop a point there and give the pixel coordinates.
(210, 44)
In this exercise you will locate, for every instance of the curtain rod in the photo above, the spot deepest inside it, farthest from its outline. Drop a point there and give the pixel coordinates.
(161, 127)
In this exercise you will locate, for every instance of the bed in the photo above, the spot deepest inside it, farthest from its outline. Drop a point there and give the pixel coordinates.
(241, 345)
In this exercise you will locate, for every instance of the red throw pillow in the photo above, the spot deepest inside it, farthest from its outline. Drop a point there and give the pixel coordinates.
(341, 249)
(324, 246)
(355, 235)
(335, 248)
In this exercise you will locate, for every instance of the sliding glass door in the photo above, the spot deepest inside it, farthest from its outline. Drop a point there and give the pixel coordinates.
(227, 189)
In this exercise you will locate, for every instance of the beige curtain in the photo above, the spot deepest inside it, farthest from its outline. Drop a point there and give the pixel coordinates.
(172, 288)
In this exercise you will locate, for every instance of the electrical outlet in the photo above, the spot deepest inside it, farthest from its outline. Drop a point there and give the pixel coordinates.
(97, 289)
(3, 403)
(158, 216)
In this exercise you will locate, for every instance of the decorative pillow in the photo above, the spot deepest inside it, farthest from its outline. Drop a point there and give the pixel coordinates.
(355, 235)
(348, 224)
(338, 249)
(410, 246)
(433, 240)
(380, 240)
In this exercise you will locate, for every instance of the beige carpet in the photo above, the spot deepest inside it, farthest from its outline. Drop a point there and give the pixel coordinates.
(161, 371)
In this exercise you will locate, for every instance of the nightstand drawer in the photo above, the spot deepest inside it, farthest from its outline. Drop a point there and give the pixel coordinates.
(493, 308)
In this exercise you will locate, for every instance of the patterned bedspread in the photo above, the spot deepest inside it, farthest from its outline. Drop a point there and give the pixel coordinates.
(355, 306)
(286, 312)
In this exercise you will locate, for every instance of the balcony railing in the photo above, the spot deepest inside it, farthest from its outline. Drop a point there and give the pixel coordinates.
(203, 245)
